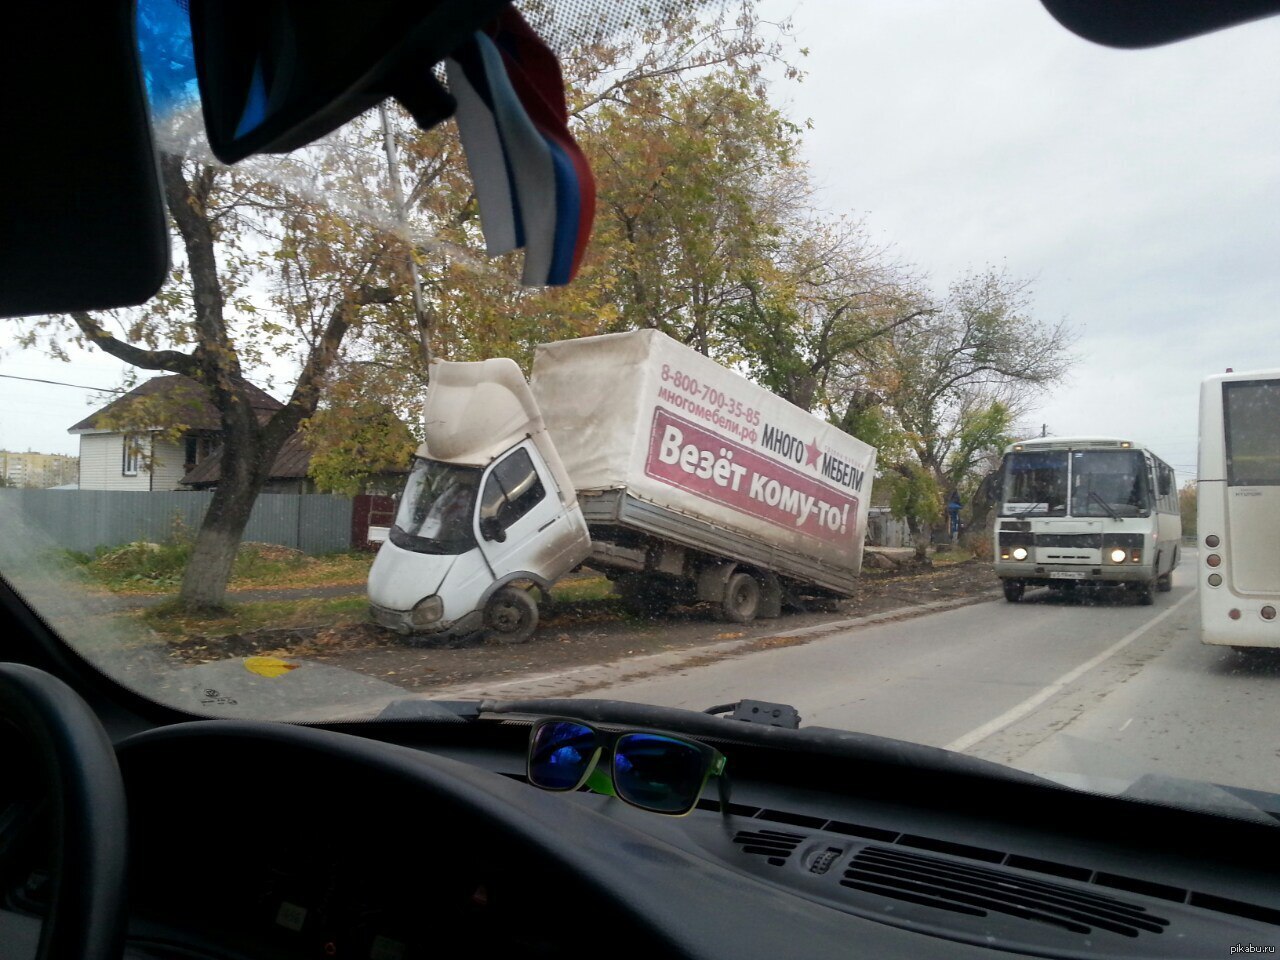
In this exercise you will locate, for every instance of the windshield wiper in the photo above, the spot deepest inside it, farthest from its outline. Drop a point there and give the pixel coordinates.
(1105, 506)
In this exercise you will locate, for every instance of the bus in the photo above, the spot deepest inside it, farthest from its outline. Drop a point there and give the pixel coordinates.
(1086, 510)
(1238, 503)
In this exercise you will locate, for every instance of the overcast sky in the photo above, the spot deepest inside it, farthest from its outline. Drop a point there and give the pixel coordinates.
(1139, 190)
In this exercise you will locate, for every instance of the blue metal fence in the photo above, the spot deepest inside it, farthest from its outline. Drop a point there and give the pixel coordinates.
(86, 519)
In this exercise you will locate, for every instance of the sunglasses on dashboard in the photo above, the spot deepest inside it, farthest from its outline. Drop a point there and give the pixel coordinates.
(647, 769)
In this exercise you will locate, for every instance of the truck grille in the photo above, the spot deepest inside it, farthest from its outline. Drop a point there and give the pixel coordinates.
(1078, 541)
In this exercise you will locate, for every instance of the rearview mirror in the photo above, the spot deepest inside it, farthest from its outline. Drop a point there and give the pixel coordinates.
(491, 529)
(277, 74)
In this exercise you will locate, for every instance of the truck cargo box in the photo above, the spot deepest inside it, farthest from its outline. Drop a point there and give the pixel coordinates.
(645, 418)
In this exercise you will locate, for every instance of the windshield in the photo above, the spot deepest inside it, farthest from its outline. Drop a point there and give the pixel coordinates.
(1109, 483)
(437, 509)
(736, 332)
(1035, 484)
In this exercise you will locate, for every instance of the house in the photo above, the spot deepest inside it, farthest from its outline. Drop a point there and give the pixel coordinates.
(118, 457)
(127, 444)
(288, 473)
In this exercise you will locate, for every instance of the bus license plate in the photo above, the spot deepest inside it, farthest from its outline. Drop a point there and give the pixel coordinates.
(1067, 575)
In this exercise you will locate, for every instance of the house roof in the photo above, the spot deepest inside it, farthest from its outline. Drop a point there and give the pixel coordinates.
(291, 463)
(190, 402)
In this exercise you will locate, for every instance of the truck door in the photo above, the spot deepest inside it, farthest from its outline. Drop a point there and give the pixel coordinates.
(519, 516)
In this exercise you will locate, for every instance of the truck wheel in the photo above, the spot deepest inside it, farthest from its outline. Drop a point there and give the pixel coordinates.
(1146, 593)
(1164, 583)
(1013, 590)
(741, 598)
(510, 616)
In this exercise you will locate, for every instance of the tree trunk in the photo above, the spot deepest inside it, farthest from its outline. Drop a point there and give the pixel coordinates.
(922, 533)
(204, 582)
(244, 471)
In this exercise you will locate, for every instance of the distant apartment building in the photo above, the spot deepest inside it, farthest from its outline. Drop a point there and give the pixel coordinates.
(38, 469)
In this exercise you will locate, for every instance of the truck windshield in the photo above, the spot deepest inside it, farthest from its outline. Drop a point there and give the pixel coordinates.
(1109, 483)
(1035, 484)
(436, 510)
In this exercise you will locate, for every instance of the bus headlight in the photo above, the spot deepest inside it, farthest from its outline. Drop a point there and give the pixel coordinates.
(1118, 555)
(427, 612)
(1019, 553)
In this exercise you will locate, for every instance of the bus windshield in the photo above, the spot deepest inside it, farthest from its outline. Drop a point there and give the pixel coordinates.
(435, 512)
(1035, 484)
(1109, 483)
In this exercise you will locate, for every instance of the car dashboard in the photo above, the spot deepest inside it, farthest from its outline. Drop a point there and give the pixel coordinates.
(266, 840)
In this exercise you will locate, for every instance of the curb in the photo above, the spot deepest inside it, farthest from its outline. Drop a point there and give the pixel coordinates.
(581, 679)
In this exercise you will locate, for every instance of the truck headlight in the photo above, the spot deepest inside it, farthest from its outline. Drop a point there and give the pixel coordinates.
(427, 612)
(1118, 555)
(1019, 553)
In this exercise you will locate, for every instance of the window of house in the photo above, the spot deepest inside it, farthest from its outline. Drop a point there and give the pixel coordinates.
(132, 455)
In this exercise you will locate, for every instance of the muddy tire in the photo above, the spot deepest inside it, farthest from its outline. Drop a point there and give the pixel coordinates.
(1013, 590)
(510, 616)
(741, 599)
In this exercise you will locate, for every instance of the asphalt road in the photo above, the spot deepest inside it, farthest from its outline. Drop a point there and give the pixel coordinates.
(1092, 686)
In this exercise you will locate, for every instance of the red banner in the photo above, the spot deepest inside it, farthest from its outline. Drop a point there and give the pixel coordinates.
(693, 459)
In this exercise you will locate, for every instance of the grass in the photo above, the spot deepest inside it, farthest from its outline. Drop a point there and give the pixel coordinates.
(944, 558)
(151, 568)
(170, 621)
(580, 590)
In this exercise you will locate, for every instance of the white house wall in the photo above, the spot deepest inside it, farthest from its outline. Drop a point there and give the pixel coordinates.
(102, 463)
(167, 464)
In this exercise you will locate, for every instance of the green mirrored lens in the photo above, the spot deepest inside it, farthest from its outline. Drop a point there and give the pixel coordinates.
(658, 773)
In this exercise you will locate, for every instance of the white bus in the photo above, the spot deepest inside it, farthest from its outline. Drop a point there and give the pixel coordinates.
(1238, 503)
(1086, 510)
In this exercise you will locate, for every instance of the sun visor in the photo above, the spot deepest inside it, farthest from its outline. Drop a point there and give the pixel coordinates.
(474, 411)
(1135, 24)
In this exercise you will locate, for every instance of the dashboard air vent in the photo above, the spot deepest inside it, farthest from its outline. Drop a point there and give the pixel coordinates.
(978, 891)
(774, 845)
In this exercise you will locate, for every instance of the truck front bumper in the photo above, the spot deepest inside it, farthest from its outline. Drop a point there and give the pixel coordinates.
(1049, 574)
(401, 621)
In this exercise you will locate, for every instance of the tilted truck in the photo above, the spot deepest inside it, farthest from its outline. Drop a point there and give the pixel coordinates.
(680, 479)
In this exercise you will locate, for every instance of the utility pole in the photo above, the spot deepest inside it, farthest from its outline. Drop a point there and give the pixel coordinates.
(420, 317)
(1043, 428)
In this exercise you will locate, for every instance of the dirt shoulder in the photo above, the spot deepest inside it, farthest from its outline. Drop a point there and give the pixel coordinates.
(586, 633)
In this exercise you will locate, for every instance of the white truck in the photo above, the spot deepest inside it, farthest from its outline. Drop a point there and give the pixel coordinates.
(680, 479)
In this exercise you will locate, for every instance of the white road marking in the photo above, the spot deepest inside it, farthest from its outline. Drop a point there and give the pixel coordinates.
(1026, 706)
(1124, 725)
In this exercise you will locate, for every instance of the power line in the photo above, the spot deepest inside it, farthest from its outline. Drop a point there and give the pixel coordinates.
(81, 386)
(60, 383)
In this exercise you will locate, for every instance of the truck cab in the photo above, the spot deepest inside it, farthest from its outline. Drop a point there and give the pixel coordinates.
(486, 513)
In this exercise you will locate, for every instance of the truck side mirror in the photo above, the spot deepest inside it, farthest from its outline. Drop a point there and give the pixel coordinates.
(491, 529)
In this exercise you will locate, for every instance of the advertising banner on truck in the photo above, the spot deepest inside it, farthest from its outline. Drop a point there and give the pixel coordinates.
(641, 412)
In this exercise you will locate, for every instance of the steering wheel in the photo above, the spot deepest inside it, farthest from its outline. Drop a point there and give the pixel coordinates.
(78, 767)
